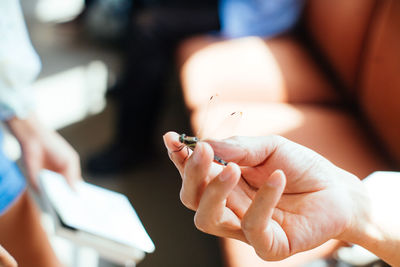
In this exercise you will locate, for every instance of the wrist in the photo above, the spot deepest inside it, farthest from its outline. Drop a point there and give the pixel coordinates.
(382, 240)
(358, 209)
(367, 233)
(375, 224)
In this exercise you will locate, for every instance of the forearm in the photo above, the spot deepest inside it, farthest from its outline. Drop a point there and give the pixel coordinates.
(378, 230)
(384, 242)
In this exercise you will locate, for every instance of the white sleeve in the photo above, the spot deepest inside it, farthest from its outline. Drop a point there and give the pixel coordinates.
(19, 63)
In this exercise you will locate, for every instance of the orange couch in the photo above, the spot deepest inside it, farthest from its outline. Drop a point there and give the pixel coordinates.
(334, 88)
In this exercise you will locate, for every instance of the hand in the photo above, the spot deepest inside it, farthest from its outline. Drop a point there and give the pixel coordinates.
(283, 199)
(44, 149)
(6, 260)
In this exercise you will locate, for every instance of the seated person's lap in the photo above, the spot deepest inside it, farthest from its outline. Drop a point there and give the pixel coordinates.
(21, 233)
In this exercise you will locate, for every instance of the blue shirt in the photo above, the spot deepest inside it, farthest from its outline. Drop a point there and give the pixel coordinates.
(263, 18)
(12, 183)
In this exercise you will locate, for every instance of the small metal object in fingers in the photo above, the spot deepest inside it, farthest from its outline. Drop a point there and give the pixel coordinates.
(191, 141)
(219, 160)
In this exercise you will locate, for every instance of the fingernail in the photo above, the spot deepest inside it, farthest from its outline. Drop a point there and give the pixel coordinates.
(197, 153)
(275, 178)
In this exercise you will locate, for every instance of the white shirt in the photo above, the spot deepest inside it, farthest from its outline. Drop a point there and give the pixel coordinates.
(19, 63)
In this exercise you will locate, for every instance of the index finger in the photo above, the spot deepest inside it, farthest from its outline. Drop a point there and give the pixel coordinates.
(176, 150)
(212, 215)
(196, 175)
(246, 151)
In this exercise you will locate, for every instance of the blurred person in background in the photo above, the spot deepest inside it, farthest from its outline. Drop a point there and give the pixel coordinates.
(156, 31)
(107, 21)
(21, 233)
(157, 28)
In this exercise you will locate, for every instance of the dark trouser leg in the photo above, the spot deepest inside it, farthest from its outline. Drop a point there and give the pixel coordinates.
(155, 35)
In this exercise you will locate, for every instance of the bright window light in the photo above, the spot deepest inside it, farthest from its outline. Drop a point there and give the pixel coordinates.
(70, 96)
(58, 11)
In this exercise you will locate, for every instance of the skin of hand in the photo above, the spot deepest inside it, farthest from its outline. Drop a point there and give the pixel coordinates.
(382, 235)
(278, 196)
(6, 260)
(44, 149)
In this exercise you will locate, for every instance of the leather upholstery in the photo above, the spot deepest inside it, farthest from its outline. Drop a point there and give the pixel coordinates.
(380, 86)
(339, 28)
(251, 69)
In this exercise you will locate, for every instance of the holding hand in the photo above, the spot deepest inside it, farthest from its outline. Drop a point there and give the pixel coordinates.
(276, 195)
(44, 149)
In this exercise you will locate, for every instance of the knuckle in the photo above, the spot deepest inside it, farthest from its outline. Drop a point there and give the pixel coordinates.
(248, 226)
(186, 201)
(202, 223)
(268, 257)
(266, 254)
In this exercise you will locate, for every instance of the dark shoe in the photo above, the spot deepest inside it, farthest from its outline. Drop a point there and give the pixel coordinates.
(114, 159)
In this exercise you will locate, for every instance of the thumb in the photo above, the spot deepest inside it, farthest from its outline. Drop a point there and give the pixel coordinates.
(246, 151)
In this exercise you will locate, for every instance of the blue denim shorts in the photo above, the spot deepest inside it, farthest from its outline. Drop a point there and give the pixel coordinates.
(12, 182)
